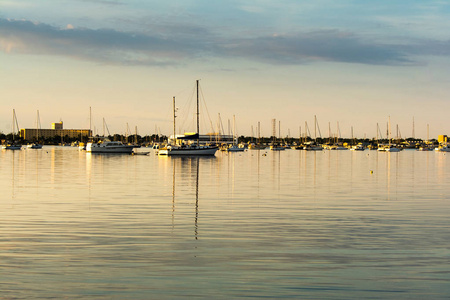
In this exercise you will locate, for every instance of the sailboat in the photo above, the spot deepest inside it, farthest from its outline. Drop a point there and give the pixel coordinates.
(192, 149)
(276, 146)
(36, 145)
(389, 147)
(235, 147)
(12, 145)
(427, 146)
(314, 146)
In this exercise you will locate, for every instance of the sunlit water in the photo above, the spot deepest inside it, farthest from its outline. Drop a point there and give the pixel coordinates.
(258, 224)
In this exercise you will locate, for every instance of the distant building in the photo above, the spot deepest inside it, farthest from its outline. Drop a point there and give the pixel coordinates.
(57, 130)
(58, 125)
(442, 139)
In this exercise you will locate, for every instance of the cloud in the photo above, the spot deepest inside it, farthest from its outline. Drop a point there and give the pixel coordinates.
(326, 45)
(174, 47)
(103, 45)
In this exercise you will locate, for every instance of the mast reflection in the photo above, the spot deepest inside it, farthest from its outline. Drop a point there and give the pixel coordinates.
(189, 168)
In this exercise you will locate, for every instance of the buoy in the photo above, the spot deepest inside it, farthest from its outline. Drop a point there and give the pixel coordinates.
(371, 172)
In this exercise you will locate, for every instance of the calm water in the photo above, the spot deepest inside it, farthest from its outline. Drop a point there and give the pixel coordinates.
(291, 224)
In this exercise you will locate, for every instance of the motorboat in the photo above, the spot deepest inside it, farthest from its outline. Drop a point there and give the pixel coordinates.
(107, 146)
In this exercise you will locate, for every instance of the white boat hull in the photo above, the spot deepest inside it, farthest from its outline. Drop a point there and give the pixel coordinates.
(102, 148)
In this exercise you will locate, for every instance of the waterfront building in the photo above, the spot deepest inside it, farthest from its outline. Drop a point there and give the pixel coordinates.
(442, 139)
(31, 134)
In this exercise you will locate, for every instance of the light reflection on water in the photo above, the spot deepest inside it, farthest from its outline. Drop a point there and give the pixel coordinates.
(292, 224)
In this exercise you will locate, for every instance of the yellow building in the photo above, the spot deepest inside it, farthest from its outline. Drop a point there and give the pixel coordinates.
(57, 130)
(442, 139)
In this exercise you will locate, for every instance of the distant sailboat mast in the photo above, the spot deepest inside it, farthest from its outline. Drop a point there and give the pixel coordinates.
(198, 118)
(38, 123)
(174, 116)
(90, 122)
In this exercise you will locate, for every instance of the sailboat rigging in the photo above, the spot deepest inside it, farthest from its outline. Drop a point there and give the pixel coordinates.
(36, 144)
(12, 145)
(189, 149)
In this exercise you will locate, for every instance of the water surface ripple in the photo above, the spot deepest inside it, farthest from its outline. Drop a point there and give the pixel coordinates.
(283, 225)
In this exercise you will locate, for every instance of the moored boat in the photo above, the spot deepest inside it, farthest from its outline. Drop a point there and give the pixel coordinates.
(443, 148)
(34, 146)
(107, 146)
(192, 149)
(13, 145)
(358, 147)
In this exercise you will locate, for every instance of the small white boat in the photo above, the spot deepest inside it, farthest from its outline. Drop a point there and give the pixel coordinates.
(443, 148)
(358, 147)
(34, 146)
(388, 148)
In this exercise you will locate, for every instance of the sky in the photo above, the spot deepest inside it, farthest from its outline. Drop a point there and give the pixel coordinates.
(352, 64)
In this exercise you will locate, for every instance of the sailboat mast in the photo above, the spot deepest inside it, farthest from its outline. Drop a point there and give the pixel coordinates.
(90, 122)
(234, 130)
(37, 126)
(315, 127)
(198, 118)
(389, 131)
(174, 116)
(377, 132)
(135, 135)
(259, 133)
(306, 134)
(14, 124)
(279, 130)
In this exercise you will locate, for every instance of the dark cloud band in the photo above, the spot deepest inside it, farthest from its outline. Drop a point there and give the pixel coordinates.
(116, 47)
